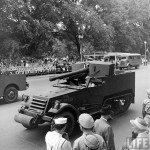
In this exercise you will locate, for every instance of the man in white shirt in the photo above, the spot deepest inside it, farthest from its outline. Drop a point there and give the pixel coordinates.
(54, 139)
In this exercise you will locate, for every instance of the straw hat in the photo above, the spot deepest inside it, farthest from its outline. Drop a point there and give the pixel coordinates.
(139, 123)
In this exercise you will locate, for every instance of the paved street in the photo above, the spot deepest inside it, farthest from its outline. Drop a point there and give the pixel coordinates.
(15, 137)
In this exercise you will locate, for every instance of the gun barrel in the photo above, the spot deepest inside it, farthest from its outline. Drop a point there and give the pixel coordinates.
(70, 74)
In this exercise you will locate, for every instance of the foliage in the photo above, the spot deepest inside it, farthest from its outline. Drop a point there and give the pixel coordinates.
(65, 27)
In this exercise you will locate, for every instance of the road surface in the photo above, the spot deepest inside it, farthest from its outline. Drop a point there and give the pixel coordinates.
(15, 137)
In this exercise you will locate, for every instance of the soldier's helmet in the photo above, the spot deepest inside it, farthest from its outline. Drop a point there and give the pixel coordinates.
(86, 121)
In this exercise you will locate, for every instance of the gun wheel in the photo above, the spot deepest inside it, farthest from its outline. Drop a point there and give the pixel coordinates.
(70, 121)
(10, 94)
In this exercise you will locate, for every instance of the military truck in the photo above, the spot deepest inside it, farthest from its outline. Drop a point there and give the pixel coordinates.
(10, 85)
(74, 94)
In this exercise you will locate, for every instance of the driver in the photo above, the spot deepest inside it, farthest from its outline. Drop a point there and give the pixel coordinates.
(88, 82)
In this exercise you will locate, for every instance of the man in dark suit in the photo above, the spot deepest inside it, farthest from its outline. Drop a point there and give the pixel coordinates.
(102, 127)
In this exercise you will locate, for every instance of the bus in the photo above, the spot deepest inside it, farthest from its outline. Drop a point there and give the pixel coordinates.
(124, 60)
(96, 56)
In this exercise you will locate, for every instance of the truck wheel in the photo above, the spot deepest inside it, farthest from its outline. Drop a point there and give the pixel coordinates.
(70, 121)
(10, 94)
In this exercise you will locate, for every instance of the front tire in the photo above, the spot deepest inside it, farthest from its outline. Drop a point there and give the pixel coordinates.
(10, 94)
(70, 121)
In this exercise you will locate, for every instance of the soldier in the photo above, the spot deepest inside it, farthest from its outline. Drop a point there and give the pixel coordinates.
(55, 139)
(146, 105)
(103, 128)
(89, 140)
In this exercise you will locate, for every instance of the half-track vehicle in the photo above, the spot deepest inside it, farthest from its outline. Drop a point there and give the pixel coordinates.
(84, 90)
(10, 85)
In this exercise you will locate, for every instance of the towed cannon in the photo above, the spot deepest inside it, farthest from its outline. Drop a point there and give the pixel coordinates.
(70, 98)
(75, 74)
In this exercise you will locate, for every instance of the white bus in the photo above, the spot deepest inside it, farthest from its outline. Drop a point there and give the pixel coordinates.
(124, 60)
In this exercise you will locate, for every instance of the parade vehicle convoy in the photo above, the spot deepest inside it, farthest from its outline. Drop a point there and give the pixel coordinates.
(84, 90)
(10, 85)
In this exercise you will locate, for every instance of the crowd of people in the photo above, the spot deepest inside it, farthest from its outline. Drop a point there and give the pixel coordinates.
(98, 134)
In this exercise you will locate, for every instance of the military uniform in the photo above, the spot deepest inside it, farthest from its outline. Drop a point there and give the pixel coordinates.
(55, 141)
(80, 144)
(102, 127)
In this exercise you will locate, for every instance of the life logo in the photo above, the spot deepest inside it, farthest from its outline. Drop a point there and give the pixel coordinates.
(138, 143)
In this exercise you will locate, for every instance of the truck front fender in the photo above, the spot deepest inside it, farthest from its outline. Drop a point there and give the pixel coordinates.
(64, 107)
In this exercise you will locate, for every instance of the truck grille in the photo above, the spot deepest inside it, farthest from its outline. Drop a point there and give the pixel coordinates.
(38, 104)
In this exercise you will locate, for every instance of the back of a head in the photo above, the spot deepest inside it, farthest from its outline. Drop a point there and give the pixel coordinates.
(91, 142)
(86, 121)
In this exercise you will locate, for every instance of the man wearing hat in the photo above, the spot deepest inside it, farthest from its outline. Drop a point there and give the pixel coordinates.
(54, 139)
(102, 127)
(89, 140)
(141, 141)
(146, 105)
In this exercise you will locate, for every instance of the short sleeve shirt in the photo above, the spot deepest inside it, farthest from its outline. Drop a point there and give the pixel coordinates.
(146, 102)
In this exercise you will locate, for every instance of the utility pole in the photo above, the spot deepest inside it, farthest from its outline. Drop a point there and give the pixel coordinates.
(145, 53)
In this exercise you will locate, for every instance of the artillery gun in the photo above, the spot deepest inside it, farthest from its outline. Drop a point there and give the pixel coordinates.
(84, 90)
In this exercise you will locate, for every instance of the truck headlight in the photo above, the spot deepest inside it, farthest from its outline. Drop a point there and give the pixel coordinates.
(25, 98)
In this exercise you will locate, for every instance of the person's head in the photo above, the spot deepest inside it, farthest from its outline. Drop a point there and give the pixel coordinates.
(148, 93)
(60, 124)
(91, 142)
(139, 125)
(106, 111)
(86, 122)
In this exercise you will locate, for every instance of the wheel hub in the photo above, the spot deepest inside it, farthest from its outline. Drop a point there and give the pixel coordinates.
(11, 94)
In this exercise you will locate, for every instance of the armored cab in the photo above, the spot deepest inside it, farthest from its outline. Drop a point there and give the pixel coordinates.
(86, 89)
